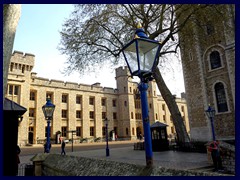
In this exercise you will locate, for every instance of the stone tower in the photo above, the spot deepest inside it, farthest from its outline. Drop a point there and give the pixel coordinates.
(207, 45)
(19, 80)
(125, 95)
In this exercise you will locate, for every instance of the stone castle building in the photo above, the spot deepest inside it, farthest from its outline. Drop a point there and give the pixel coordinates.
(82, 108)
(208, 58)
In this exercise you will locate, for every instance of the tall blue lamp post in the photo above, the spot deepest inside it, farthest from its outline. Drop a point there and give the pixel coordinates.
(210, 112)
(48, 110)
(141, 56)
(107, 148)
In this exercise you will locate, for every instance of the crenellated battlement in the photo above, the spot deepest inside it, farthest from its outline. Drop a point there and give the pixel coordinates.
(24, 59)
(122, 71)
(39, 81)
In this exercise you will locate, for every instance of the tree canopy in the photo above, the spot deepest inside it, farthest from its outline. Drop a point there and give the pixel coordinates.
(96, 33)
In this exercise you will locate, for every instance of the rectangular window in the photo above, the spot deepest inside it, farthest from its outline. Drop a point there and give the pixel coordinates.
(103, 131)
(131, 115)
(114, 102)
(31, 112)
(182, 108)
(104, 115)
(64, 113)
(10, 89)
(164, 118)
(78, 131)
(32, 96)
(31, 129)
(16, 90)
(163, 107)
(133, 131)
(172, 129)
(79, 114)
(64, 131)
(92, 131)
(103, 101)
(114, 115)
(78, 99)
(91, 114)
(11, 67)
(91, 100)
(64, 98)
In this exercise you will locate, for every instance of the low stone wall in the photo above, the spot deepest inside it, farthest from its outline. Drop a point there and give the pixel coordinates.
(228, 157)
(57, 165)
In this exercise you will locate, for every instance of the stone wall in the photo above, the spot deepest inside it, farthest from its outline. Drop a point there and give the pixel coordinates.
(57, 165)
(228, 156)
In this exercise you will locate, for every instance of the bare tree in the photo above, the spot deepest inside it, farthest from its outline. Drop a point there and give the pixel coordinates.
(96, 33)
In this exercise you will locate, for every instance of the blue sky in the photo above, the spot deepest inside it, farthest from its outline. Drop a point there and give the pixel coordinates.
(38, 33)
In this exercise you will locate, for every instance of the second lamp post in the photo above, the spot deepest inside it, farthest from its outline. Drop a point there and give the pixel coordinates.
(211, 113)
(141, 56)
(107, 148)
(48, 110)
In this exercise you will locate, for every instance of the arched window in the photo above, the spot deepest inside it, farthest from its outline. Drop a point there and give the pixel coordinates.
(221, 97)
(215, 60)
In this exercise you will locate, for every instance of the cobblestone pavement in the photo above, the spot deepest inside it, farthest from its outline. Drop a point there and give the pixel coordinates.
(169, 159)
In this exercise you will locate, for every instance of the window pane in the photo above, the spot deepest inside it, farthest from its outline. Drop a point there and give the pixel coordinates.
(16, 89)
(221, 98)
(215, 60)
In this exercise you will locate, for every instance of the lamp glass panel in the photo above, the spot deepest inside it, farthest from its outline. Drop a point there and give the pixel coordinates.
(48, 111)
(147, 54)
(131, 58)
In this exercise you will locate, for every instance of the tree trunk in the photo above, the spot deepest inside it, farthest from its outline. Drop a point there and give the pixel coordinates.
(182, 135)
(11, 15)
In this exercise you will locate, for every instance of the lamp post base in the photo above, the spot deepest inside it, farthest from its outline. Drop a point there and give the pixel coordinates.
(107, 152)
(149, 162)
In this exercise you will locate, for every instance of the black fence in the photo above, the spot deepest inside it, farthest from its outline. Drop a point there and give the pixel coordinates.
(26, 169)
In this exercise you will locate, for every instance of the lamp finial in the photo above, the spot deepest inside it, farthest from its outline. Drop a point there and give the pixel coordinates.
(139, 25)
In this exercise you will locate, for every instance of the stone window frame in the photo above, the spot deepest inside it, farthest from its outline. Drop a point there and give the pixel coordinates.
(114, 115)
(91, 100)
(64, 131)
(78, 131)
(91, 114)
(14, 90)
(127, 131)
(104, 115)
(103, 101)
(215, 98)
(78, 99)
(78, 114)
(215, 60)
(32, 112)
(114, 103)
(32, 96)
(207, 53)
(64, 98)
(64, 113)
(91, 133)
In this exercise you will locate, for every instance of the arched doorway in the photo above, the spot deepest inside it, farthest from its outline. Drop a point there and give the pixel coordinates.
(30, 137)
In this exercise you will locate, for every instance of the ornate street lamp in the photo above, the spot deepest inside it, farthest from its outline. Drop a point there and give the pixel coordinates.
(107, 148)
(48, 110)
(210, 112)
(141, 55)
